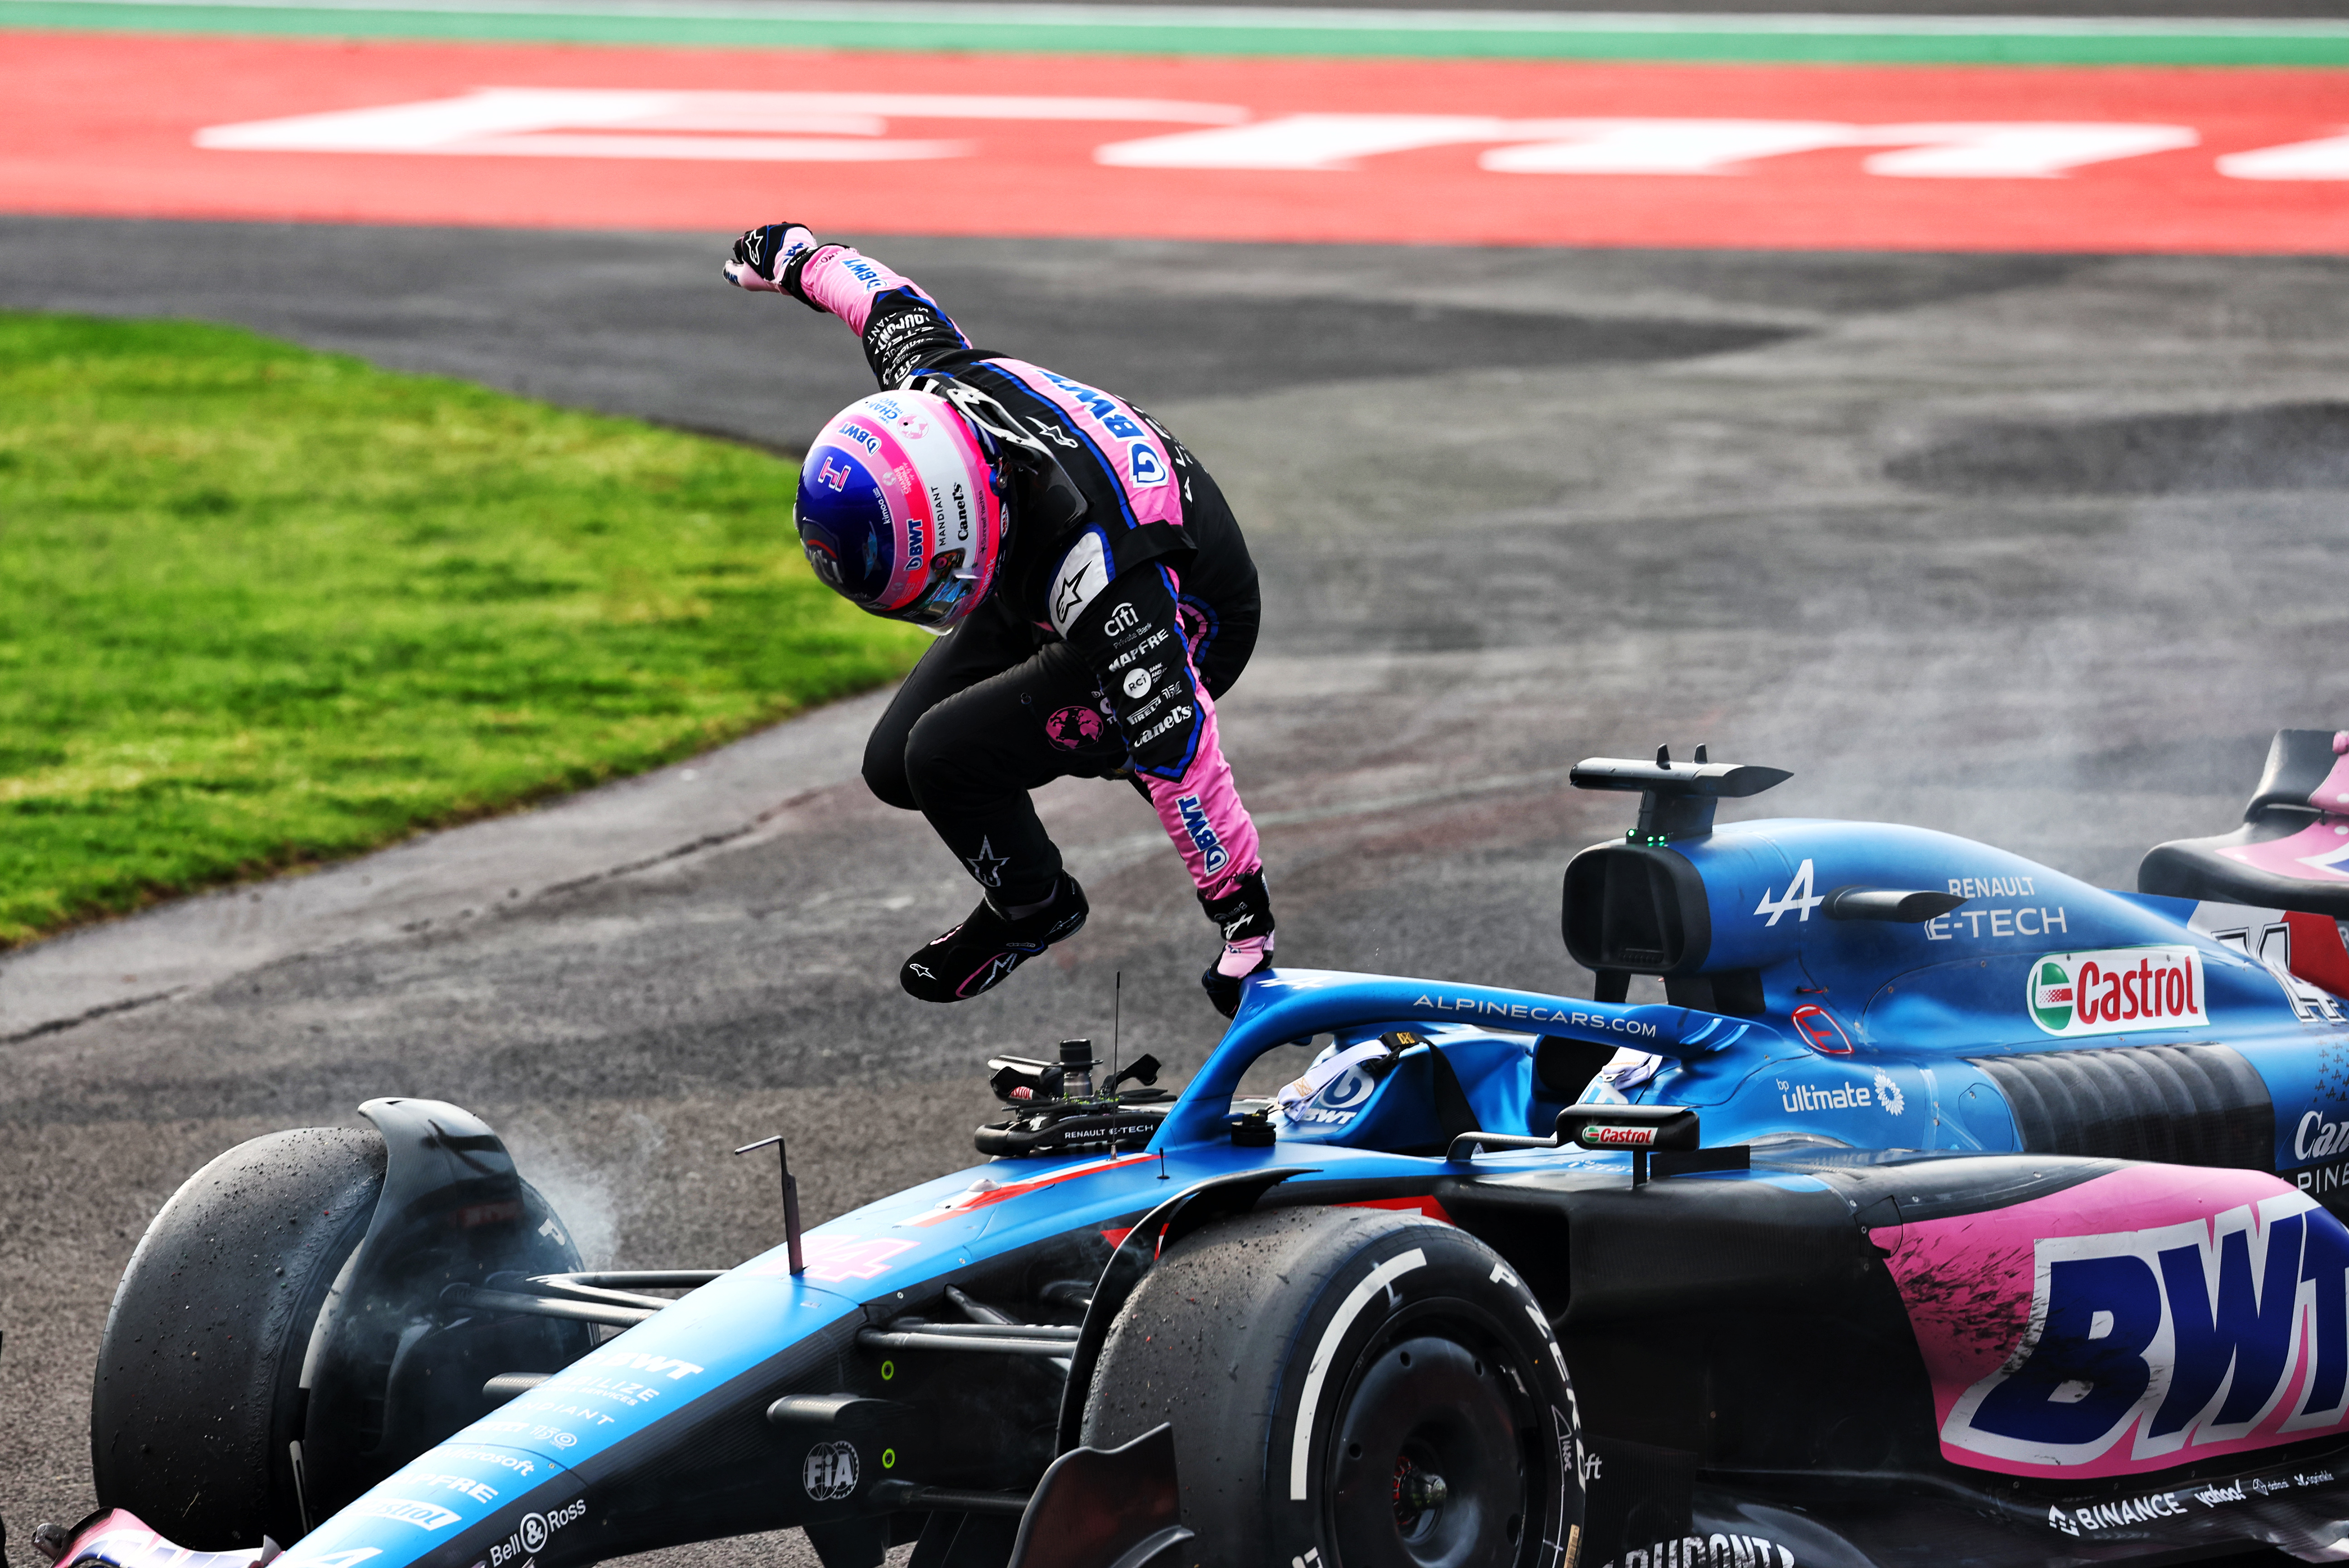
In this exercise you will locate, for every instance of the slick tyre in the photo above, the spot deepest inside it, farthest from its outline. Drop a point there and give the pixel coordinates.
(198, 1398)
(1349, 1388)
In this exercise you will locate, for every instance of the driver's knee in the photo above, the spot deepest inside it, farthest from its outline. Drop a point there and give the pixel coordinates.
(886, 773)
(935, 763)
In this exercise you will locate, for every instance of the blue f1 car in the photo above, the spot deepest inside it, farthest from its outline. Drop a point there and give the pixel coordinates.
(1948, 1209)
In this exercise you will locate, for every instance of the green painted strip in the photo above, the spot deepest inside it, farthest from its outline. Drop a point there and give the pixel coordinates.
(1228, 30)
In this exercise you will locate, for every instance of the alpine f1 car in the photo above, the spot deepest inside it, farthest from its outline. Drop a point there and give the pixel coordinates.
(1948, 1209)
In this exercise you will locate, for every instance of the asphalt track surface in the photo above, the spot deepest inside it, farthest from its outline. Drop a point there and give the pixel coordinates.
(2038, 550)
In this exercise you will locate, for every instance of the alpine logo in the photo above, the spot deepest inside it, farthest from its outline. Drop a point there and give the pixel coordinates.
(1798, 899)
(2230, 1332)
(2117, 990)
(1203, 833)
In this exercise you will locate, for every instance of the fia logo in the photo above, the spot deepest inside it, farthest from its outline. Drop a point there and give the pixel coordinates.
(1142, 465)
(1798, 896)
(830, 1472)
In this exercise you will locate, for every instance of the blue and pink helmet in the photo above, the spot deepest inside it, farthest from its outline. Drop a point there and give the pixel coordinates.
(898, 509)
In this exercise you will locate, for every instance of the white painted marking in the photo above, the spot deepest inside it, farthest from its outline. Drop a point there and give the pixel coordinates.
(2019, 151)
(1668, 146)
(2324, 159)
(1317, 1371)
(1959, 150)
(1302, 141)
(565, 122)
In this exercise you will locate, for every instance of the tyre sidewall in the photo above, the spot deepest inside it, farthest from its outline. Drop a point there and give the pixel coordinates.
(1335, 1286)
(197, 1395)
(1458, 1289)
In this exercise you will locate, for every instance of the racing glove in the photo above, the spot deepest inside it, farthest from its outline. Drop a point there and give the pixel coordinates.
(763, 256)
(1244, 916)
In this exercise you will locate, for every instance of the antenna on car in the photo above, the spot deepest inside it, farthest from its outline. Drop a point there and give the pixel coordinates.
(791, 1198)
(1676, 799)
(1116, 1017)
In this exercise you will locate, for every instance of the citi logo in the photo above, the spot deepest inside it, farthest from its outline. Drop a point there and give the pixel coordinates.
(2233, 1331)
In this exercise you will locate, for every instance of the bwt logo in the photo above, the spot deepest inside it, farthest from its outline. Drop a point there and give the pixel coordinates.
(1203, 833)
(2173, 1337)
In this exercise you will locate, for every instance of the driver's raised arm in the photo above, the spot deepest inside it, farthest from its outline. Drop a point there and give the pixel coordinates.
(903, 328)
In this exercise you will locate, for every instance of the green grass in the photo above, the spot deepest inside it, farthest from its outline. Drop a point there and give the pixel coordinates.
(261, 607)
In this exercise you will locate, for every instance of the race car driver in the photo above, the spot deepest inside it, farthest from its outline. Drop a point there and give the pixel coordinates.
(1091, 595)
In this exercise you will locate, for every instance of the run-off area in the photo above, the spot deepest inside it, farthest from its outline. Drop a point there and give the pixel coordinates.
(1526, 152)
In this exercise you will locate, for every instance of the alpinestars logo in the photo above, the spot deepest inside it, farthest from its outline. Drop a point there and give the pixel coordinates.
(2117, 990)
(987, 866)
(1798, 897)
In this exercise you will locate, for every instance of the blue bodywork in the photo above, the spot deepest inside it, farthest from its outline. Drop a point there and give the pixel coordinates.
(1868, 1034)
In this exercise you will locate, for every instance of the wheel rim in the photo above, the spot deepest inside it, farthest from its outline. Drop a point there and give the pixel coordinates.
(1428, 1456)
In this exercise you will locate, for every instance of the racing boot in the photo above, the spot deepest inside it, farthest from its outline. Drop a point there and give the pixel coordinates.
(1244, 918)
(980, 953)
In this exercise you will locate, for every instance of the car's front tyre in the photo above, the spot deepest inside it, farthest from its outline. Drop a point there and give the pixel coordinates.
(1349, 1388)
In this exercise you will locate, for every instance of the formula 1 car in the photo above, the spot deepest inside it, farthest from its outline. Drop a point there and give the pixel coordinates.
(1947, 1210)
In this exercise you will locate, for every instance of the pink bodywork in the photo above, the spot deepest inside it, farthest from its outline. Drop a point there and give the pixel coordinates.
(121, 1538)
(2320, 852)
(1975, 1287)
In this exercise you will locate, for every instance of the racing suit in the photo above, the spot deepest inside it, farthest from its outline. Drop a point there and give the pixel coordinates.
(1124, 605)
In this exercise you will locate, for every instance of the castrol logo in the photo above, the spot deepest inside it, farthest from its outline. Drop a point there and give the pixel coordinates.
(1618, 1137)
(2117, 990)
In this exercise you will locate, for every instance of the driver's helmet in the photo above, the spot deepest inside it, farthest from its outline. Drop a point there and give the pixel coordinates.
(898, 510)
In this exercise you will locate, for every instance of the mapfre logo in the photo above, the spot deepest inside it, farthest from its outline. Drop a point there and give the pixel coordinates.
(2233, 1330)
(2117, 990)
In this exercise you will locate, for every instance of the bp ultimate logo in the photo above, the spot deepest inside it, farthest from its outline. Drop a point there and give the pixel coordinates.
(2117, 990)
(2154, 1347)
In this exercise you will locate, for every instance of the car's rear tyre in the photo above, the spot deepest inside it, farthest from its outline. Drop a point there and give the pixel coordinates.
(1349, 1388)
(198, 1396)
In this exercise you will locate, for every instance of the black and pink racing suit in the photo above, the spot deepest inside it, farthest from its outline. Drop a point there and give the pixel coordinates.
(1124, 605)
